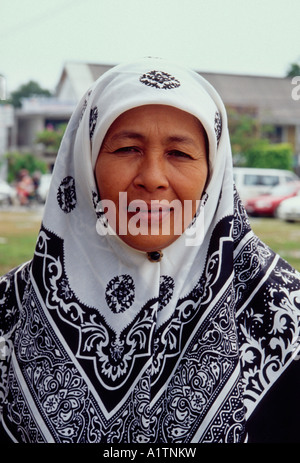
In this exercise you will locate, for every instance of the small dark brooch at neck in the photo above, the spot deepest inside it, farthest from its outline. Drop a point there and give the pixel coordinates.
(155, 256)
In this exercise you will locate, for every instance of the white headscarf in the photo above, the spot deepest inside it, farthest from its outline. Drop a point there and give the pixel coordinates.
(104, 258)
(147, 351)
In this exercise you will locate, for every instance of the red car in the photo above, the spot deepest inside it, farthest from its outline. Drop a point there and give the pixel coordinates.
(266, 205)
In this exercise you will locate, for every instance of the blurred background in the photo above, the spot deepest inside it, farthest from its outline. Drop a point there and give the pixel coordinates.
(50, 52)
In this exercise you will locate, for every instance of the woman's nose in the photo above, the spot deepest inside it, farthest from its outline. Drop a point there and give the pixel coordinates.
(152, 174)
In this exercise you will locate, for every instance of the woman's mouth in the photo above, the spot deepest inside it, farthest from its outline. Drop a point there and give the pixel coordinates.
(154, 212)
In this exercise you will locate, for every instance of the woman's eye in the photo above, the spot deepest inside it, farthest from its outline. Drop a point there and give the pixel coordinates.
(179, 154)
(127, 149)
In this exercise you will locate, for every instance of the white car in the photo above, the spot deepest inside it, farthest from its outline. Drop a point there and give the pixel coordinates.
(252, 181)
(289, 209)
(7, 193)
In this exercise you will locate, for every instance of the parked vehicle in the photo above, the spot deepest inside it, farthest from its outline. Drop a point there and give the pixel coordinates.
(266, 205)
(8, 194)
(289, 209)
(43, 188)
(251, 182)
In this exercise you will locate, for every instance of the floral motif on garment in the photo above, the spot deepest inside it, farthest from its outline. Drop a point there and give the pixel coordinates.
(120, 293)
(193, 379)
(84, 106)
(66, 195)
(269, 332)
(93, 120)
(218, 126)
(166, 289)
(69, 384)
(267, 293)
(160, 80)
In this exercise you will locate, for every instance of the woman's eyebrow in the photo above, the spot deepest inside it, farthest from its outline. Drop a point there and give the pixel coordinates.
(139, 136)
(181, 139)
(127, 134)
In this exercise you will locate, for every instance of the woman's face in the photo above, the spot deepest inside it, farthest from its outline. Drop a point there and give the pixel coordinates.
(153, 166)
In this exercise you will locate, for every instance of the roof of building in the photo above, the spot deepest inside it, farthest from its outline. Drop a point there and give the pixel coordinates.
(270, 98)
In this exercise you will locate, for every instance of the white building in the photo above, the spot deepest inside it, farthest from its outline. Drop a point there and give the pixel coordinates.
(6, 126)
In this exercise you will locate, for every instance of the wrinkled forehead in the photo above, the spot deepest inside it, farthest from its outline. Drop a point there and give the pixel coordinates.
(150, 82)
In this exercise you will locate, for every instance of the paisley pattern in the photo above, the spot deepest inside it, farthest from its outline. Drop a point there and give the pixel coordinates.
(165, 290)
(93, 120)
(84, 106)
(246, 336)
(119, 293)
(160, 80)
(218, 126)
(66, 194)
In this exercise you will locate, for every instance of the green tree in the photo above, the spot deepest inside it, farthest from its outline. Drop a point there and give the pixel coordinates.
(293, 70)
(251, 146)
(51, 138)
(279, 156)
(18, 161)
(245, 133)
(32, 88)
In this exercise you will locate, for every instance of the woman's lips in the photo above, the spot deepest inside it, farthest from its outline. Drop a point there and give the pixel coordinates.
(153, 212)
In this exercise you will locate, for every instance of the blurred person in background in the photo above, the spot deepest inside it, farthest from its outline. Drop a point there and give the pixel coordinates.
(25, 187)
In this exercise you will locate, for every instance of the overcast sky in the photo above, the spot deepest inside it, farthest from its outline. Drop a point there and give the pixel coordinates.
(234, 36)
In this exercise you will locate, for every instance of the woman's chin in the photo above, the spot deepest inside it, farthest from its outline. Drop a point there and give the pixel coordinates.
(149, 243)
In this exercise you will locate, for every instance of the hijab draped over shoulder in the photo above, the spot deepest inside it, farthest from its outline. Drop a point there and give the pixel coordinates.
(100, 344)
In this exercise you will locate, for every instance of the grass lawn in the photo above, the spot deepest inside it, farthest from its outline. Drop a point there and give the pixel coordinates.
(282, 237)
(18, 234)
(19, 230)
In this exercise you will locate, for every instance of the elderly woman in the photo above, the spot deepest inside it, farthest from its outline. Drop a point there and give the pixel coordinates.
(150, 312)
